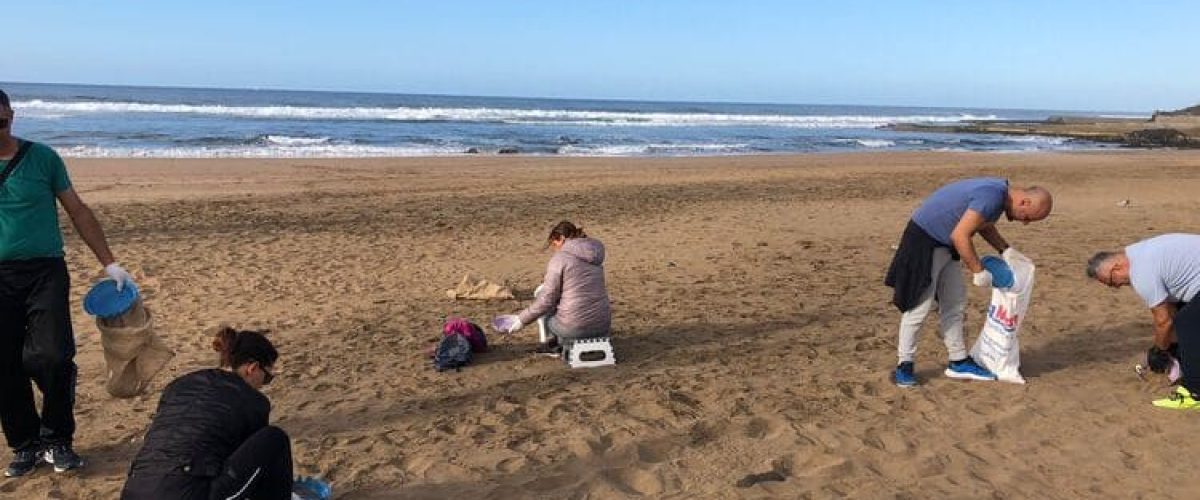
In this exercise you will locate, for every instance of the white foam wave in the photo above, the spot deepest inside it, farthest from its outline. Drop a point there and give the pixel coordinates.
(1037, 139)
(284, 140)
(302, 151)
(868, 143)
(652, 149)
(493, 115)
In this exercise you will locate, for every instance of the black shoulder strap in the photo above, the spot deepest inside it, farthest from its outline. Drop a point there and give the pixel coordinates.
(16, 160)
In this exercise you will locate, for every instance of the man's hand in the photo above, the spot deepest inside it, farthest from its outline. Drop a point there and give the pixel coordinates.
(982, 278)
(118, 274)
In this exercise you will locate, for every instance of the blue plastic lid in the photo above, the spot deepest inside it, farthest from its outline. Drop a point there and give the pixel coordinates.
(1002, 275)
(104, 301)
(311, 488)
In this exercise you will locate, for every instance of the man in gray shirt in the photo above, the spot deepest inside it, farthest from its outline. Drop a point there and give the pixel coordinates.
(1165, 273)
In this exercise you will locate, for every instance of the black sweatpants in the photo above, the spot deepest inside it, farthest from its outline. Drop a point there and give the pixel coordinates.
(261, 468)
(36, 343)
(1187, 333)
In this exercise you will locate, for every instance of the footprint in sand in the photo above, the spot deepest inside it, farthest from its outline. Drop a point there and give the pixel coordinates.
(933, 465)
(890, 442)
(550, 483)
(764, 428)
(753, 479)
(654, 452)
(815, 465)
(635, 481)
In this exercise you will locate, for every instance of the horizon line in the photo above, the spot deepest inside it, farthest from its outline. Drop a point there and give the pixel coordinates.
(604, 99)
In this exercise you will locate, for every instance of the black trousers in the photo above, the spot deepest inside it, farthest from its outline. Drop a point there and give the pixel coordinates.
(261, 468)
(36, 343)
(1187, 333)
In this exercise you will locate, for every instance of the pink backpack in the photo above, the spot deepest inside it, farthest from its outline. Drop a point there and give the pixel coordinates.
(472, 332)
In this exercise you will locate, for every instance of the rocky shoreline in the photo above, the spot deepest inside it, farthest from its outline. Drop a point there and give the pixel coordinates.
(1176, 129)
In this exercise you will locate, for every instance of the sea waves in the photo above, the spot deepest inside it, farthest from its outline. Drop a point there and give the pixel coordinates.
(49, 109)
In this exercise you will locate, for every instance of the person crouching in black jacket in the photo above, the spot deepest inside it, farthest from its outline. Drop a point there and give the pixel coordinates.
(210, 437)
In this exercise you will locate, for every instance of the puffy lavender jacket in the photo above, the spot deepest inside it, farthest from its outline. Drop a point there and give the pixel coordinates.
(573, 290)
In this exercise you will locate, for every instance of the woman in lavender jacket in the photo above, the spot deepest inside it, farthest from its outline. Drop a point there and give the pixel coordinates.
(572, 299)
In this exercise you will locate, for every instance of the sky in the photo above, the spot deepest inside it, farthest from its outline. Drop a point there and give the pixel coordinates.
(1065, 55)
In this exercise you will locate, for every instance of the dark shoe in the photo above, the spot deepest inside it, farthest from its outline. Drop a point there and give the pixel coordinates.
(23, 462)
(551, 348)
(62, 457)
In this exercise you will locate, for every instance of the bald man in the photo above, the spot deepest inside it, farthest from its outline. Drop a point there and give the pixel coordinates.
(1165, 273)
(936, 244)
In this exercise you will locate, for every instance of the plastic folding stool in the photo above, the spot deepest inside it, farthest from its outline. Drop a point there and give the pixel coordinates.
(576, 350)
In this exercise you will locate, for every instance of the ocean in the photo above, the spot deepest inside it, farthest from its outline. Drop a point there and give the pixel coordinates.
(119, 121)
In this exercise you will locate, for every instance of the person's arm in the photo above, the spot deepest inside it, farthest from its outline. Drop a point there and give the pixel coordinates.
(970, 223)
(992, 236)
(551, 291)
(86, 225)
(1164, 321)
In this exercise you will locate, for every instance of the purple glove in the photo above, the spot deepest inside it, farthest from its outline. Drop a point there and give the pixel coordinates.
(506, 323)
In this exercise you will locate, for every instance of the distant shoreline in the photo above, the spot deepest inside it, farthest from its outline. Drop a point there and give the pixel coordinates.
(1168, 129)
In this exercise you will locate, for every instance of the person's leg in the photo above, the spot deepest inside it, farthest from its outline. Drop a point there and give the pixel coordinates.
(551, 337)
(261, 468)
(17, 411)
(49, 354)
(913, 319)
(952, 301)
(49, 359)
(178, 486)
(18, 415)
(1187, 333)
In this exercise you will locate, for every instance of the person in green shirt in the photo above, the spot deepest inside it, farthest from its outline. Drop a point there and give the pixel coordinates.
(36, 341)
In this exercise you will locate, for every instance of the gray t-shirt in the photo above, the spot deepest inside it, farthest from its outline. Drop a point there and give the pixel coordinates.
(1165, 268)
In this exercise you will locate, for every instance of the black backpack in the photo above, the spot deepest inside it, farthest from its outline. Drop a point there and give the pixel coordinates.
(453, 352)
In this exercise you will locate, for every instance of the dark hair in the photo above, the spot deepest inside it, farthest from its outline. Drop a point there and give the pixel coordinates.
(239, 347)
(4, 100)
(565, 230)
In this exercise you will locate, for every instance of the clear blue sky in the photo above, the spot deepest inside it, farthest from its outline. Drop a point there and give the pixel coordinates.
(1091, 55)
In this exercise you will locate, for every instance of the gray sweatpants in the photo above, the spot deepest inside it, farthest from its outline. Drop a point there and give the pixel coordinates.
(947, 290)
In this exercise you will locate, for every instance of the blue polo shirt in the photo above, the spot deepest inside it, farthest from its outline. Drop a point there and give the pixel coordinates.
(1165, 268)
(940, 213)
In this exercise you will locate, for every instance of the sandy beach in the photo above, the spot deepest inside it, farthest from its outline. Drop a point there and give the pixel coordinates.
(753, 332)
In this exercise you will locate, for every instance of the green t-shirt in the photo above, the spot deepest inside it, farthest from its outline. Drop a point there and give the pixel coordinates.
(28, 210)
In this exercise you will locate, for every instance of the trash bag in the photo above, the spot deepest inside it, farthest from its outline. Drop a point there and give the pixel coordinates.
(997, 347)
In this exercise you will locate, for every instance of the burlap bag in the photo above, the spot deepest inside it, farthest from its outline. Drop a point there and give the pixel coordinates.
(478, 288)
(133, 353)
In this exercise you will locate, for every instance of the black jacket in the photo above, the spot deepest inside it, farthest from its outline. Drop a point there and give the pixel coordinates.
(912, 267)
(202, 418)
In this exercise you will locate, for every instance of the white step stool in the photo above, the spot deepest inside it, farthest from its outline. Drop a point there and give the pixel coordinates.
(575, 350)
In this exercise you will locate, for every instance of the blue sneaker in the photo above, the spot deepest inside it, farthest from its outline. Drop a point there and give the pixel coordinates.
(967, 369)
(905, 376)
